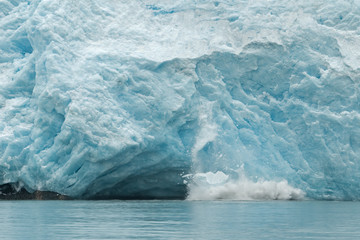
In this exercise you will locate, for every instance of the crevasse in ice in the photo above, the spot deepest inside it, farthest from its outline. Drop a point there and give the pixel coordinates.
(164, 99)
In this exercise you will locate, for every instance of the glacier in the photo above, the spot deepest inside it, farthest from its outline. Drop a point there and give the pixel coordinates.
(228, 99)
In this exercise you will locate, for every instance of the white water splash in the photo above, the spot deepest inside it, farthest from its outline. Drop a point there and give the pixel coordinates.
(216, 186)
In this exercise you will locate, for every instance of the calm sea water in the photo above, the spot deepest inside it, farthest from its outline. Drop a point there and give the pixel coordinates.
(179, 220)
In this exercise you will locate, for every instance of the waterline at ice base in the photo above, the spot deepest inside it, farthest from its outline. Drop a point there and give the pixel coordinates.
(203, 100)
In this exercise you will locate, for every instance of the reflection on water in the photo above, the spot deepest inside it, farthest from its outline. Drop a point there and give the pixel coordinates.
(179, 220)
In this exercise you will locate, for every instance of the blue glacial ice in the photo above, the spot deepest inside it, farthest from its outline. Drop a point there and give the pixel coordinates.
(228, 99)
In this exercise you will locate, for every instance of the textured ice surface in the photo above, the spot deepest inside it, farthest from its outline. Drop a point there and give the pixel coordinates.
(136, 99)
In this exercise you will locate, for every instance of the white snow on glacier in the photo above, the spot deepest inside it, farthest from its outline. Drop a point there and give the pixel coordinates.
(228, 99)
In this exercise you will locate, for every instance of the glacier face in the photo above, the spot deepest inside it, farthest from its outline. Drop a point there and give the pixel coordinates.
(215, 99)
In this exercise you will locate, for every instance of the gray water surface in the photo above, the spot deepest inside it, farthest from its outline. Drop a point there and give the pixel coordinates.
(179, 220)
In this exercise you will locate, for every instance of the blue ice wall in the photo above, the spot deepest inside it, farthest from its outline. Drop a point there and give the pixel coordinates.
(111, 99)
